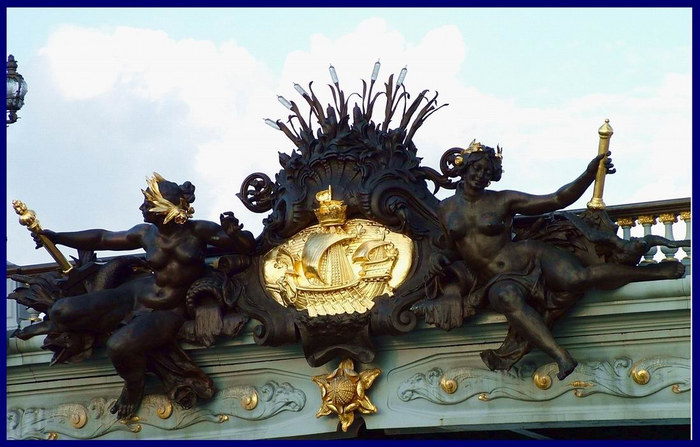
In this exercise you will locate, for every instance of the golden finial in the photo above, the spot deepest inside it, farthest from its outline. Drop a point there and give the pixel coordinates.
(28, 219)
(604, 132)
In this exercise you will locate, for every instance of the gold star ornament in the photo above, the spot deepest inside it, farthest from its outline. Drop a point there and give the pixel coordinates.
(344, 391)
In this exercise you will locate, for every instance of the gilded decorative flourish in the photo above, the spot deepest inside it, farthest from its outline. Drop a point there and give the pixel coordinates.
(640, 376)
(246, 395)
(165, 411)
(160, 404)
(344, 391)
(626, 222)
(78, 417)
(543, 382)
(250, 402)
(668, 218)
(337, 266)
(646, 220)
(685, 215)
(448, 385)
(132, 423)
(605, 377)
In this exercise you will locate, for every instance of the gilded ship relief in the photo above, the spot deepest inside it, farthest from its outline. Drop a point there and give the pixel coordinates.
(338, 266)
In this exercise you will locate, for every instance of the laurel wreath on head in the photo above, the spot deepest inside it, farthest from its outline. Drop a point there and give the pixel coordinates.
(178, 213)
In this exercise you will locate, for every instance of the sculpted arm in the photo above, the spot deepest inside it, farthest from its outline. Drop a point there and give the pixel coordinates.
(445, 208)
(530, 204)
(446, 252)
(229, 234)
(100, 239)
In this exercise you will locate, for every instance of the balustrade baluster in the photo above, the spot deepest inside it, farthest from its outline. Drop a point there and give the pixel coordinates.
(685, 217)
(626, 223)
(647, 222)
(668, 219)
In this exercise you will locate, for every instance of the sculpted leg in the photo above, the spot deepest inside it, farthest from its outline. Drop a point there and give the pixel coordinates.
(128, 348)
(508, 298)
(130, 363)
(98, 311)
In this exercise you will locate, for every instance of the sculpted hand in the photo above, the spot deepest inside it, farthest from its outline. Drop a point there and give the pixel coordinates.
(50, 235)
(438, 262)
(609, 167)
(229, 223)
(208, 323)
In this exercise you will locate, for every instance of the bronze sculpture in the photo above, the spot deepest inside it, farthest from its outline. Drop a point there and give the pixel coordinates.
(373, 173)
(143, 314)
(374, 169)
(529, 281)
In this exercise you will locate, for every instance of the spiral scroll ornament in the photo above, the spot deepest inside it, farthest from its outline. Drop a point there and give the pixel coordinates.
(257, 192)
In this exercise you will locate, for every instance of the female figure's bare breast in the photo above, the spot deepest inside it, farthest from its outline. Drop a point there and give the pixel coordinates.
(478, 229)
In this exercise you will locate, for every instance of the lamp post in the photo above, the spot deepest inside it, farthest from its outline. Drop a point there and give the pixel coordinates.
(16, 89)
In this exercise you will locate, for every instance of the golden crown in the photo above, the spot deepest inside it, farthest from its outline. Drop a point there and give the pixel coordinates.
(179, 213)
(329, 212)
(475, 146)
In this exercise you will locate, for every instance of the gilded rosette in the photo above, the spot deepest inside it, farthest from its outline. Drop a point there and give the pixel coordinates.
(344, 391)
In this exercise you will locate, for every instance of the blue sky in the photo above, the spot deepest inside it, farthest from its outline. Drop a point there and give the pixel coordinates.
(118, 93)
(639, 43)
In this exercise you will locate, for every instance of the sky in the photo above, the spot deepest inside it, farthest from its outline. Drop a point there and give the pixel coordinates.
(118, 93)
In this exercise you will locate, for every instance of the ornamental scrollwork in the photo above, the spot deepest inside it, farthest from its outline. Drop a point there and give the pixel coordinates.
(619, 377)
(78, 421)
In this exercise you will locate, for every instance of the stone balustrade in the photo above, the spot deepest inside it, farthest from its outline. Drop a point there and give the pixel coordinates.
(667, 218)
(671, 222)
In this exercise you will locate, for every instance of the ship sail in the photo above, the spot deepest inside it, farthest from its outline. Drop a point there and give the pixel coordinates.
(338, 269)
(364, 251)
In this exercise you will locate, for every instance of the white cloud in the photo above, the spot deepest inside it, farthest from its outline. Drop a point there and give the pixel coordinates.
(223, 91)
(120, 103)
(545, 147)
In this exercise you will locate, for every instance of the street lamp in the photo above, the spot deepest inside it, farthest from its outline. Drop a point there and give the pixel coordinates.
(16, 89)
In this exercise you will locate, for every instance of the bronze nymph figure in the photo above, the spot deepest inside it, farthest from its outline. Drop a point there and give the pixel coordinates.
(529, 281)
(142, 315)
